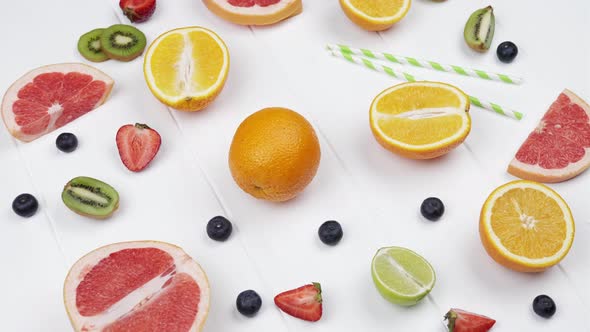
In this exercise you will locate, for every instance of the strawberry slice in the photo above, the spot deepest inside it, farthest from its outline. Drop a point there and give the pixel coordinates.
(465, 321)
(304, 302)
(138, 10)
(137, 145)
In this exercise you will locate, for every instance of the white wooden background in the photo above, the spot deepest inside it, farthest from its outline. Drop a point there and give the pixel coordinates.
(373, 193)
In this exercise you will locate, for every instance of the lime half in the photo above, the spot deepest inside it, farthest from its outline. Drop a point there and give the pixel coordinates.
(402, 276)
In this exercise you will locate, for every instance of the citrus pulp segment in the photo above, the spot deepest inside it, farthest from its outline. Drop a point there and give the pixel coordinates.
(420, 120)
(375, 15)
(526, 226)
(558, 148)
(254, 12)
(186, 68)
(401, 276)
(137, 286)
(49, 97)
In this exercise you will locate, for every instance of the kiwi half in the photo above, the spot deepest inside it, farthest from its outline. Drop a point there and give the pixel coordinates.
(90, 197)
(122, 42)
(90, 48)
(479, 29)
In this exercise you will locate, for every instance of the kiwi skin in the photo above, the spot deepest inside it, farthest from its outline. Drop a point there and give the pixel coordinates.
(87, 49)
(122, 52)
(77, 207)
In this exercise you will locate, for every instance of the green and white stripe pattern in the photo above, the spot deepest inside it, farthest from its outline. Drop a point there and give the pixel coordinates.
(405, 60)
(400, 75)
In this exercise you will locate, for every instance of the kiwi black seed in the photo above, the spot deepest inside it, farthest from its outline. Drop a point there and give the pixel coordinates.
(90, 197)
(90, 48)
(122, 42)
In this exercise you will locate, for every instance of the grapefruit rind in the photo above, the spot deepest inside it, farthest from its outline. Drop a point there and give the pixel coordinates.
(11, 94)
(184, 263)
(425, 151)
(540, 174)
(255, 15)
(196, 101)
(503, 256)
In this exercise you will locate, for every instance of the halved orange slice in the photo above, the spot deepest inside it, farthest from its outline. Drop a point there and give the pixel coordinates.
(526, 226)
(420, 120)
(186, 68)
(375, 15)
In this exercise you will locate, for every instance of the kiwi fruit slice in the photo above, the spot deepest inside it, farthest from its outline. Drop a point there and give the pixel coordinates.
(479, 29)
(90, 48)
(122, 42)
(90, 197)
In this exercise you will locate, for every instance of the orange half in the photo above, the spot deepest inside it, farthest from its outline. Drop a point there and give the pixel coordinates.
(420, 120)
(375, 15)
(187, 68)
(526, 226)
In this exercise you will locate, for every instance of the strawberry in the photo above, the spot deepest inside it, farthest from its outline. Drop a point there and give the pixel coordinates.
(303, 303)
(138, 10)
(137, 145)
(464, 321)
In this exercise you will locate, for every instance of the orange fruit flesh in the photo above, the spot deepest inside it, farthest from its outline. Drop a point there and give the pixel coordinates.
(425, 130)
(174, 75)
(206, 76)
(529, 230)
(378, 8)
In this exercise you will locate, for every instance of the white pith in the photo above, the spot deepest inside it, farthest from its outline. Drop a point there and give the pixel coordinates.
(423, 113)
(86, 194)
(484, 26)
(185, 67)
(183, 262)
(387, 19)
(255, 10)
(528, 222)
(538, 173)
(421, 287)
(55, 110)
(123, 40)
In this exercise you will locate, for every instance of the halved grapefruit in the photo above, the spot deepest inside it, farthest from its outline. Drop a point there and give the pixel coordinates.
(559, 147)
(137, 286)
(254, 12)
(49, 97)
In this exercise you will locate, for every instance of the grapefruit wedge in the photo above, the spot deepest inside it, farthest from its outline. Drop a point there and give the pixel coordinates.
(137, 286)
(52, 96)
(558, 149)
(254, 12)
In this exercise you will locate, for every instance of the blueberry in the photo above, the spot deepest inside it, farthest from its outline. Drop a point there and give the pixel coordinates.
(25, 205)
(219, 228)
(248, 303)
(507, 51)
(432, 208)
(544, 306)
(330, 232)
(66, 142)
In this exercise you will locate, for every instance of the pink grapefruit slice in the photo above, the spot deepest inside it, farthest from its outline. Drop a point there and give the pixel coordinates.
(254, 12)
(137, 286)
(558, 149)
(49, 97)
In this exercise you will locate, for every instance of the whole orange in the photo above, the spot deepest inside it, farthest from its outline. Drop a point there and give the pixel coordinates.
(275, 154)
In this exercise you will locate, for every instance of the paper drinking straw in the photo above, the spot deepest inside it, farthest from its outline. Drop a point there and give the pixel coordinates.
(411, 78)
(405, 60)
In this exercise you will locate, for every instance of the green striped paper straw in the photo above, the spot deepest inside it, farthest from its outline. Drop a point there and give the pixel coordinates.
(411, 78)
(405, 60)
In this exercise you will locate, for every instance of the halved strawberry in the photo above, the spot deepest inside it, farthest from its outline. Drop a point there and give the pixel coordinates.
(138, 10)
(465, 321)
(304, 302)
(137, 145)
